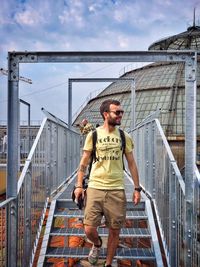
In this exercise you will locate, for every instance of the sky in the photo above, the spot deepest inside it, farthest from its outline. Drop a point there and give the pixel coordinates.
(80, 25)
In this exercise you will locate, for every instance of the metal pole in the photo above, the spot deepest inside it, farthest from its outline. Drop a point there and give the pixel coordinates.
(19, 139)
(190, 151)
(29, 130)
(13, 134)
(27, 220)
(70, 103)
(132, 104)
(71, 80)
(12, 163)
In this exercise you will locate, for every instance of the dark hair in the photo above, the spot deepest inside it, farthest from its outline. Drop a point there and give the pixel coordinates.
(105, 106)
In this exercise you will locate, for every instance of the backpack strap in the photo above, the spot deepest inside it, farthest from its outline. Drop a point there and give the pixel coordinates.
(123, 140)
(123, 144)
(93, 154)
(94, 141)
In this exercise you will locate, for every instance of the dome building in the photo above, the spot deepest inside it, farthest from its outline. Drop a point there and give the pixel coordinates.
(159, 87)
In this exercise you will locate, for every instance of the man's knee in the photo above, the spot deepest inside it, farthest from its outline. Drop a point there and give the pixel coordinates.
(90, 230)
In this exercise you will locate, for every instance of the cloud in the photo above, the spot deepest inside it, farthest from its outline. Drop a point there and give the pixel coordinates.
(78, 25)
(72, 16)
(29, 17)
(123, 41)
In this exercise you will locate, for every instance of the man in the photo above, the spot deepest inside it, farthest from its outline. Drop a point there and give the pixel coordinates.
(105, 193)
(5, 138)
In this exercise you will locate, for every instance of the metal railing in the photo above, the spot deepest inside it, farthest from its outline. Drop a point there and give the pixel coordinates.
(27, 137)
(54, 156)
(196, 220)
(162, 181)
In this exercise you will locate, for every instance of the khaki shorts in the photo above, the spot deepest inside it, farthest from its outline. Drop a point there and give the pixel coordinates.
(110, 203)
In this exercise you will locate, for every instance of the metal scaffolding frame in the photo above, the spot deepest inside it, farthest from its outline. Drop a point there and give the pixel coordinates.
(17, 58)
(72, 80)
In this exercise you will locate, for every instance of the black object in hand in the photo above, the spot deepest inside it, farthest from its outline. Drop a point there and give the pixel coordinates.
(80, 202)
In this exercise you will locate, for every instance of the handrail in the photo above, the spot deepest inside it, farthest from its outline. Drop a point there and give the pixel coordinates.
(30, 156)
(162, 181)
(6, 202)
(53, 117)
(171, 156)
(55, 154)
(197, 174)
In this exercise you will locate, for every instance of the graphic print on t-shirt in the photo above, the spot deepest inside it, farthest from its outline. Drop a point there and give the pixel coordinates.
(108, 148)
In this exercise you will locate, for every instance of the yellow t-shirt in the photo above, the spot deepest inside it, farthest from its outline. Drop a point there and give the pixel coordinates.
(107, 172)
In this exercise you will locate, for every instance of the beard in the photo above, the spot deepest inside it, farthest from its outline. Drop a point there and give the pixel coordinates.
(113, 122)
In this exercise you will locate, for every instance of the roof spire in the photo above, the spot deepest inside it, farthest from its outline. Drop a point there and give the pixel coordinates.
(194, 18)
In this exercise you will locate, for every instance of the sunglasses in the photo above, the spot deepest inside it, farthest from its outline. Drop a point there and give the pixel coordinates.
(117, 112)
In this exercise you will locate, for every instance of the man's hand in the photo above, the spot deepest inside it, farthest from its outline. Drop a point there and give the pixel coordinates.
(78, 192)
(136, 197)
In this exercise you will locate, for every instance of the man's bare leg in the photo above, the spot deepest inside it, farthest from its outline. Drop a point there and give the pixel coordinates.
(113, 240)
(92, 234)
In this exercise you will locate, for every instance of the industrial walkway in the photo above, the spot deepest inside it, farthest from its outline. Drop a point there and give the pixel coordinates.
(53, 160)
(138, 239)
(155, 231)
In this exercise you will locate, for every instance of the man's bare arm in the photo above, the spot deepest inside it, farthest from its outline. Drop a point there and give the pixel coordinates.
(83, 167)
(133, 168)
(134, 173)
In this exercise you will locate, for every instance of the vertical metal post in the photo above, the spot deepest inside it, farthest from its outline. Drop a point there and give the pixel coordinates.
(12, 223)
(132, 104)
(190, 151)
(54, 156)
(13, 134)
(29, 122)
(151, 155)
(68, 153)
(70, 103)
(19, 139)
(48, 159)
(29, 125)
(146, 157)
(172, 217)
(27, 220)
(12, 160)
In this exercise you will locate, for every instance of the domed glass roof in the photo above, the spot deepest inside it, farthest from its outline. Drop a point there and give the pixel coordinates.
(189, 40)
(159, 86)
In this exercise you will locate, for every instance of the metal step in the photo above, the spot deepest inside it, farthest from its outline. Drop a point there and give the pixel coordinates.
(121, 253)
(67, 209)
(69, 204)
(76, 213)
(125, 232)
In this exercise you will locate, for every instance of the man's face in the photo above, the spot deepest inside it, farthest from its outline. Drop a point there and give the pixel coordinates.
(114, 115)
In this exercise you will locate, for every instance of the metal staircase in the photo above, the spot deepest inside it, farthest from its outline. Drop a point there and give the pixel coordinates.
(138, 239)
